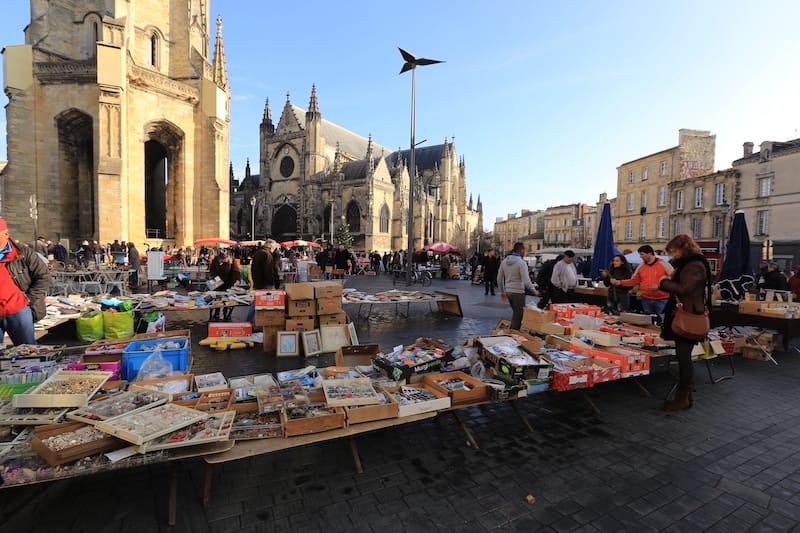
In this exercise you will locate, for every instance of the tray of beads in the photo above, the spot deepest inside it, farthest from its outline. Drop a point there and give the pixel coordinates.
(251, 424)
(59, 444)
(138, 428)
(349, 391)
(117, 405)
(29, 416)
(208, 402)
(65, 388)
(305, 418)
(212, 429)
(387, 408)
(418, 398)
(176, 386)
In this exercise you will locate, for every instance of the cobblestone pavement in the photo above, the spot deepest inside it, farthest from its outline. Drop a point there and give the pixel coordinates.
(728, 464)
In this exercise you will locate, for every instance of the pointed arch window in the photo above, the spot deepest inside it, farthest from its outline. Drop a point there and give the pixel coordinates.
(384, 221)
(354, 217)
(154, 50)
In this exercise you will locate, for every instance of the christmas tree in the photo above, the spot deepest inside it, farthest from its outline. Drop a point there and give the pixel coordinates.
(343, 236)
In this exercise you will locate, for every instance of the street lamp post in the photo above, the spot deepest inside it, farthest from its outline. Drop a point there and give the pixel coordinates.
(411, 63)
(253, 217)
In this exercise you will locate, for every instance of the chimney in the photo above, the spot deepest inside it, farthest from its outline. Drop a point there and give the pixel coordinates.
(748, 149)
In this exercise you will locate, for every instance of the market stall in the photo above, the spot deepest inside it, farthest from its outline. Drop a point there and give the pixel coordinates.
(446, 303)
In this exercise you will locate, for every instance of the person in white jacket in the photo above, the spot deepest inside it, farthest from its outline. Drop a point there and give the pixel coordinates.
(514, 282)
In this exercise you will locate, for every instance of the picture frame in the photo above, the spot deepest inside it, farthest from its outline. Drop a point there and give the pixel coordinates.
(333, 337)
(288, 343)
(351, 332)
(312, 342)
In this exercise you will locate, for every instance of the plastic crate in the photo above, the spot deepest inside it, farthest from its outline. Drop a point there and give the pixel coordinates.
(137, 351)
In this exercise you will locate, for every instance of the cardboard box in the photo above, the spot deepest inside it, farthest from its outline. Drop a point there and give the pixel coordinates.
(599, 337)
(269, 300)
(270, 339)
(754, 352)
(276, 318)
(571, 375)
(442, 400)
(332, 319)
(636, 318)
(307, 307)
(368, 413)
(470, 390)
(504, 368)
(317, 424)
(569, 310)
(299, 291)
(550, 328)
(230, 329)
(329, 306)
(327, 289)
(533, 315)
(356, 355)
(604, 370)
(299, 324)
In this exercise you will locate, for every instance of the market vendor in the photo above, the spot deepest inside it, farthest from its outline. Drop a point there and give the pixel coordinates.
(227, 270)
(24, 280)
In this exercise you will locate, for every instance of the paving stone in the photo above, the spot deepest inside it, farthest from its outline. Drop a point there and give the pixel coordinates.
(744, 492)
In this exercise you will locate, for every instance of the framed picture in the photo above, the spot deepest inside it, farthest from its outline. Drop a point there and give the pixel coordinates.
(333, 337)
(312, 342)
(351, 331)
(288, 343)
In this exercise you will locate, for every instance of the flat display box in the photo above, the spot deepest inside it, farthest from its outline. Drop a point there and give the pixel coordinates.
(38, 397)
(300, 291)
(316, 424)
(30, 416)
(139, 428)
(230, 329)
(113, 406)
(72, 453)
(327, 289)
(358, 414)
(479, 391)
(174, 386)
(249, 424)
(441, 401)
(210, 401)
(269, 300)
(210, 382)
(272, 318)
(364, 392)
(636, 319)
(215, 428)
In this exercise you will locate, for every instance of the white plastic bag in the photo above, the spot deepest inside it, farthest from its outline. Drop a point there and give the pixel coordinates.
(588, 322)
(154, 367)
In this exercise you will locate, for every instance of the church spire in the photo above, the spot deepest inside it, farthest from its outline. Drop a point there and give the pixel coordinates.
(247, 169)
(369, 157)
(220, 67)
(267, 127)
(469, 205)
(313, 105)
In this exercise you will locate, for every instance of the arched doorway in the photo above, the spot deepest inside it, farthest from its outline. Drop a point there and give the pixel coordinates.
(163, 172)
(284, 223)
(76, 216)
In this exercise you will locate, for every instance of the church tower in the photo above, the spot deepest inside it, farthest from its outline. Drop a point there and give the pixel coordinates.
(118, 123)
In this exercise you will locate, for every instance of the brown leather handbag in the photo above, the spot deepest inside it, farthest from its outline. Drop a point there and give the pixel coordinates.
(692, 326)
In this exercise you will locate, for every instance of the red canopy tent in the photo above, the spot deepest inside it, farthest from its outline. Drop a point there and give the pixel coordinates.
(442, 248)
(300, 243)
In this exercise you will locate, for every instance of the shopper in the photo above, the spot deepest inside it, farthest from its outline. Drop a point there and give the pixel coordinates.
(491, 266)
(263, 271)
(514, 282)
(543, 281)
(648, 276)
(564, 279)
(24, 280)
(134, 262)
(228, 271)
(444, 265)
(619, 298)
(690, 283)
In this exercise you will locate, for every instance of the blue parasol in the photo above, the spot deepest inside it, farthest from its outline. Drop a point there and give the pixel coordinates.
(738, 261)
(604, 249)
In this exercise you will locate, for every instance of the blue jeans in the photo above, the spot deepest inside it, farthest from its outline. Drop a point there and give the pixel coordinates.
(654, 307)
(19, 327)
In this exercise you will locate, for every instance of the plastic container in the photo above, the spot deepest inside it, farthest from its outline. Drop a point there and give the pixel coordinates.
(137, 351)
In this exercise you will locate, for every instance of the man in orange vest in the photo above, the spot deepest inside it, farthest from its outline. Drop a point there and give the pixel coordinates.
(648, 276)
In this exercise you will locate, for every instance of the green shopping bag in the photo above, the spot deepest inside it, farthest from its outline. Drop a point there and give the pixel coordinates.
(90, 326)
(118, 325)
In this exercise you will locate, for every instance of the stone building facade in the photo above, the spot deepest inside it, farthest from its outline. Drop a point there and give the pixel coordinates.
(527, 228)
(118, 123)
(315, 175)
(644, 202)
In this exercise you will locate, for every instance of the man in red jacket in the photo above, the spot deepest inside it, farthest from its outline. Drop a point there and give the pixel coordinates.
(24, 279)
(648, 276)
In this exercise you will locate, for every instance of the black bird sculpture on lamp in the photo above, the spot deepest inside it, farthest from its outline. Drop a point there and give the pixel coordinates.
(411, 61)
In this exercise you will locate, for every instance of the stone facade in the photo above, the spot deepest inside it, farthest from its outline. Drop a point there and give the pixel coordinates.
(527, 228)
(644, 202)
(118, 123)
(315, 175)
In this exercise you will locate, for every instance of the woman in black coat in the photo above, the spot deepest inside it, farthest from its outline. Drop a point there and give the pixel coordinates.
(619, 298)
(690, 282)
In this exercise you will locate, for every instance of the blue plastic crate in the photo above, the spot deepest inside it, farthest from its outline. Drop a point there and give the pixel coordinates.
(137, 351)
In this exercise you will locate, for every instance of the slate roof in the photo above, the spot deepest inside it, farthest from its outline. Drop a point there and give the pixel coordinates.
(778, 148)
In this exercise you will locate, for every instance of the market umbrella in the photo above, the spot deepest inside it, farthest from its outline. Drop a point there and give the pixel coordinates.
(604, 249)
(300, 242)
(250, 243)
(738, 261)
(442, 248)
(214, 240)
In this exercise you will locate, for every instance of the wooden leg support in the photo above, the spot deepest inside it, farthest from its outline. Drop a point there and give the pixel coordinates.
(645, 392)
(521, 416)
(467, 433)
(356, 457)
(207, 484)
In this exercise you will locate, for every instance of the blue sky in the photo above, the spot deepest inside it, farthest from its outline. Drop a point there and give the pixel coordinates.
(544, 99)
